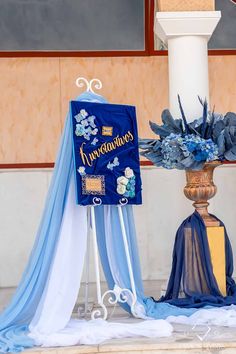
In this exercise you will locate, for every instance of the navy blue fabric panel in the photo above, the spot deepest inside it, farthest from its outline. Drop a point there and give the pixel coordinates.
(197, 300)
(106, 157)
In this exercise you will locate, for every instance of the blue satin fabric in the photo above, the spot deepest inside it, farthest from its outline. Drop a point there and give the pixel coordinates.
(192, 299)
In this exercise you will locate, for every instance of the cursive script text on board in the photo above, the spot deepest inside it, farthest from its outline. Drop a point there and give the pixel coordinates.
(105, 148)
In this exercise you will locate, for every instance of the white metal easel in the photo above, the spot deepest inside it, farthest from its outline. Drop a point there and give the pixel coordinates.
(117, 294)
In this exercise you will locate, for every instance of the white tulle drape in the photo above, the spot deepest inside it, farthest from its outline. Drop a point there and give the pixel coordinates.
(218, 316)
(60, 294)
(97, 331)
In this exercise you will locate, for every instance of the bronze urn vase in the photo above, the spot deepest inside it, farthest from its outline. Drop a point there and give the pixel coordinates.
(200, 188)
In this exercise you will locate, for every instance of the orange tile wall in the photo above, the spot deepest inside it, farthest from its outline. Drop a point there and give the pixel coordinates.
(35, 94)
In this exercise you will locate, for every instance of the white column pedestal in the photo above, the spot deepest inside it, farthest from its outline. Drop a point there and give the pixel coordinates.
(186, 35)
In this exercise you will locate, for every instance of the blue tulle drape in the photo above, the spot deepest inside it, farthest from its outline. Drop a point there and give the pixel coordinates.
(15, 319)
(201, 289)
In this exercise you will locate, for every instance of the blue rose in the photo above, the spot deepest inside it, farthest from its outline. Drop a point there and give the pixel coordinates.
(131, 194)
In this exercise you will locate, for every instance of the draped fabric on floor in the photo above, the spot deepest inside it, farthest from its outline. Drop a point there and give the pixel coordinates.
(192, 282)
(39, 312)
(17, 316)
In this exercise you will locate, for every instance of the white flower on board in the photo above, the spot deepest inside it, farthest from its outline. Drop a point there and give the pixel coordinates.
(81, 170)
(129, 172)
(122, 180)
(121, 189)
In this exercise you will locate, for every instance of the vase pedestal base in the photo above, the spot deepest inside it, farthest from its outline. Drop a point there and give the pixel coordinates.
(209, 220)
(200, 188)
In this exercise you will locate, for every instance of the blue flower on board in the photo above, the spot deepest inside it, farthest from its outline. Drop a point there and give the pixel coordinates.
(94, 131)
(81, 115)
(94, 142)
(91, 121)
(85, 125)
(113, 164)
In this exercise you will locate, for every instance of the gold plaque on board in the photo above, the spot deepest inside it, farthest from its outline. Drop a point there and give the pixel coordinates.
(92, 184)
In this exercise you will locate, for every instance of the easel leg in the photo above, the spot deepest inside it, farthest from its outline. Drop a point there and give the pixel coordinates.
(131, 274)
(117, 294)
(87, 267)
(96, 261)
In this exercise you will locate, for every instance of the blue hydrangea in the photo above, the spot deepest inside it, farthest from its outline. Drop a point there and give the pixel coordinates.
(80, 130)
(189, 151)
(173, 151)
(202, 150)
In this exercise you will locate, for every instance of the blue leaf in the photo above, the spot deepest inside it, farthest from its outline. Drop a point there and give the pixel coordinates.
(221, 144)
(146, 143)
(183, 116)
(160, 130)
(204, 119)
(211, 125)
(230, 118)
(187, 162)
(218, 128)
(230, 155)
(228, 140)
(174, 124)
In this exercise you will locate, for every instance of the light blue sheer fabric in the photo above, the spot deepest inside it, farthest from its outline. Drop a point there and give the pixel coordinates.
(15, 319)
(152, 308)
(23, 304)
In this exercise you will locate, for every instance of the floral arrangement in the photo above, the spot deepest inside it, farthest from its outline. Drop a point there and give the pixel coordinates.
(184, 145)
(126, 184)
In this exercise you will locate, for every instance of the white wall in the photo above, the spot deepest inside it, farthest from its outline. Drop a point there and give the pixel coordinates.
(22, 195)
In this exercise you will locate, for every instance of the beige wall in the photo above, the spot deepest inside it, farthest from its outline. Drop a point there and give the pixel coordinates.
(35, 94)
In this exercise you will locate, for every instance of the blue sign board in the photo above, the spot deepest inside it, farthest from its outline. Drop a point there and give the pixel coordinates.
(106, 157)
